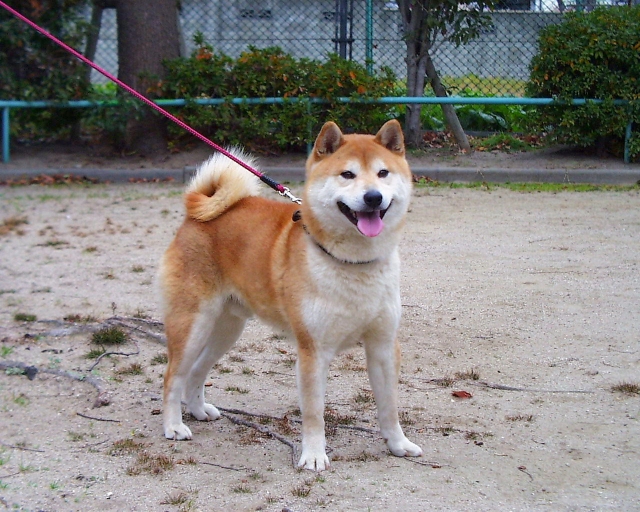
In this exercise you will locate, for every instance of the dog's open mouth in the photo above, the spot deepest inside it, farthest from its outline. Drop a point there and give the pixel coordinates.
(369, 223)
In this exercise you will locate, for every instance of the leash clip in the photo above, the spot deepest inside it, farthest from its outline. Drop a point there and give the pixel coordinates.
(286, 192)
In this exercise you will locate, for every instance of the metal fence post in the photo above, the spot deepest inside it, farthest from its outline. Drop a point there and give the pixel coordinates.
(5, 135)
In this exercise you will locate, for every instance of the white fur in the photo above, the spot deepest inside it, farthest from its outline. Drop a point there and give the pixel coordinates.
(219, 167)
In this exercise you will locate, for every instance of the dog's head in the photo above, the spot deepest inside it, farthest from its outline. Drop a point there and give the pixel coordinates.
(357, 189)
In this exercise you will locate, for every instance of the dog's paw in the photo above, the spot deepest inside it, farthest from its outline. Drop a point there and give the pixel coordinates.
(206, 413)
(314, 461)
(404, 448)
(178, 432)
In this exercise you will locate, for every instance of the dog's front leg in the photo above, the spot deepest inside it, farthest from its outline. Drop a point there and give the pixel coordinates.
(383, 365)
(311, 370)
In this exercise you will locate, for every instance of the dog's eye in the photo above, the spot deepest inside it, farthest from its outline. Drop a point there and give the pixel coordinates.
(347, 175)
(383, 173)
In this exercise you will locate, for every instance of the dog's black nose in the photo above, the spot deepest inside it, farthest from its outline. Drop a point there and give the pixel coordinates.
(373, 198)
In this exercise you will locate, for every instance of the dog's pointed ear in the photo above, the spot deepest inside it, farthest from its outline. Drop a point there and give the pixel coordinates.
(329, 140)
(390, 136)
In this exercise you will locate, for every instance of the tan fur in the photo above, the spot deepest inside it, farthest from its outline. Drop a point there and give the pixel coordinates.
(237, 254)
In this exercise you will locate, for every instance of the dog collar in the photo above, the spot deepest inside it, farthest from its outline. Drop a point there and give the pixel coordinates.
(297, 215)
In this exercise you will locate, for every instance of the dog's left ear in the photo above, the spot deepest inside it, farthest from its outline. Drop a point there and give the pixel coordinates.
(390, 136)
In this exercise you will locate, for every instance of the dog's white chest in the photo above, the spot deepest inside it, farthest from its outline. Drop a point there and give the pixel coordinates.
(349, 301)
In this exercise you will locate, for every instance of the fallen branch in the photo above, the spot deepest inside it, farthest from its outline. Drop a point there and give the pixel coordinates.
(66, 328)
(97, 419)
(264, 430)
(105, 354)
(31, 371)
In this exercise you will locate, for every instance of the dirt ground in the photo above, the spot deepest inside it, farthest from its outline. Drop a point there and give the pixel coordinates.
(527, 302)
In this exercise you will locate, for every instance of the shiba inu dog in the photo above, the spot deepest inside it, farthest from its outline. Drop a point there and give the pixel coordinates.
(328, 273)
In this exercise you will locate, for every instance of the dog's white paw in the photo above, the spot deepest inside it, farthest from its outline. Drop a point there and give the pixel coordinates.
(179, 432)
(206, 413)
(315, 461)
(404, 448)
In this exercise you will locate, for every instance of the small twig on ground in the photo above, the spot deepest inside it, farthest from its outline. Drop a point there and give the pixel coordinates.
(24, 448)
(490, 385)
(264, 430)
(97, 419)
(105, 354)
(10, 474)
(221, 466)
(434, 465)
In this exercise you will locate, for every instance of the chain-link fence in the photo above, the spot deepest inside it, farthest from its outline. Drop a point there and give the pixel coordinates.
(367, 31)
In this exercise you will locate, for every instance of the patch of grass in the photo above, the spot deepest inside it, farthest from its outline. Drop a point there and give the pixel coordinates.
(132, 369)
(75, 436)
(405, 418)
(80, 319)
(247, 371)
(125, 446)
(25, 317)
(109, 336)
(520, 417)
(360, 457)
(223, 369)
(446, 382)
(14, 370)
(161, 358)
(472, 374)
(95, 353)
(502, 142)
(5, 351)
(236, 358)
(175, 499)
(154, 464)
(54, 243)
(242, 489)
(90, 250)
(22, 400)
(11, 224)
(628, 388)
(364, 397)
(303, 490)
(236, 389)
(137, 269)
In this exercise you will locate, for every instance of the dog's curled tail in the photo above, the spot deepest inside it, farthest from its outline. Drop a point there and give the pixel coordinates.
(218, 184)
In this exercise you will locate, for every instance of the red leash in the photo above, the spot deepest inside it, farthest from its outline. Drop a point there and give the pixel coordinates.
(282, 190)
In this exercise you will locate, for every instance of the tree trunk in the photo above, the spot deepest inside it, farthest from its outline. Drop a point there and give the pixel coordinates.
(147, 35)
(415, 87)
(450, 116)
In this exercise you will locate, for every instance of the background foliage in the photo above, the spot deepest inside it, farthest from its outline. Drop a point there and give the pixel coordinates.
(34, 68)
(589, 55)
(269, 72)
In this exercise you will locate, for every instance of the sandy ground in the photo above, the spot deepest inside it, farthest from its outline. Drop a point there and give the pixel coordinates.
(536, 296)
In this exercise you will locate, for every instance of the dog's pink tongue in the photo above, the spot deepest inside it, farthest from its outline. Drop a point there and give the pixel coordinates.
(369, 223)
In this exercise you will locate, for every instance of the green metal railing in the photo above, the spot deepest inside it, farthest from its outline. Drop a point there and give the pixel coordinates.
(7, 105)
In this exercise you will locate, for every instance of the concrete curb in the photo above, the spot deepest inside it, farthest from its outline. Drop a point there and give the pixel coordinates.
(296, 174)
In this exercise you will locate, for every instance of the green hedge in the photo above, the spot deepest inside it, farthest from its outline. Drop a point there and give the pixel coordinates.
(269, 72)
(590, 55)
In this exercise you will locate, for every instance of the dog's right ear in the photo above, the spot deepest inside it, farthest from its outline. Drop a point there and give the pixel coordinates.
(329, 140)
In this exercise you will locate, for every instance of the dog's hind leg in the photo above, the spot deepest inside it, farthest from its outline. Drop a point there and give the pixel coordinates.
(383, 365)
(189, 337)
(227, 328)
